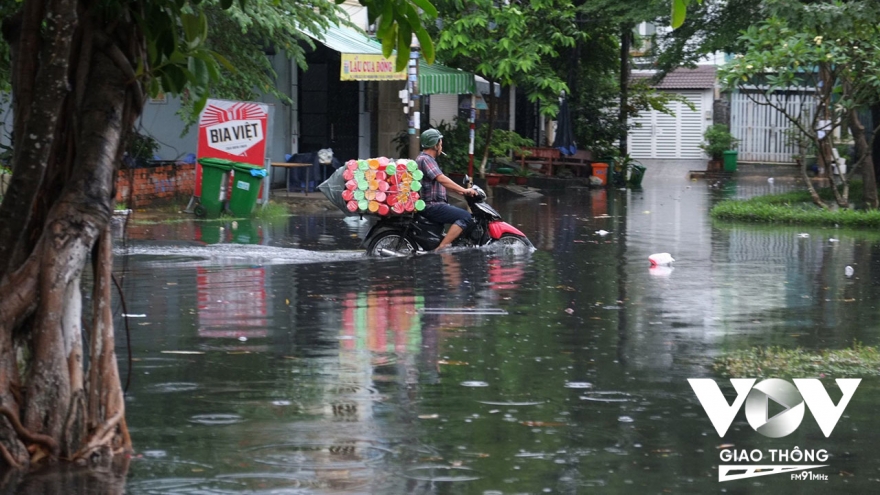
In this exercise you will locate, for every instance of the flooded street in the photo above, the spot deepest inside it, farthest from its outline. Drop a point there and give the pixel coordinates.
(273, 357)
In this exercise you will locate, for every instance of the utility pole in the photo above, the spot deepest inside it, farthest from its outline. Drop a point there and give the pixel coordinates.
(414, 105)
(472, 119)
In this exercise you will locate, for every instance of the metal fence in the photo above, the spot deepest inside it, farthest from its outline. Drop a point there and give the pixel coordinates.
(765, 135)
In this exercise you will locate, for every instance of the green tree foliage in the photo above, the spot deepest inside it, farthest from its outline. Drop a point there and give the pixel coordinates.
(597, 71)
(509, 43)
(829, 50)
(708, 28)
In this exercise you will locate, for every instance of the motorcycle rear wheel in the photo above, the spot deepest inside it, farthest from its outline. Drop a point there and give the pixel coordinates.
(514, 241)
(390, 244)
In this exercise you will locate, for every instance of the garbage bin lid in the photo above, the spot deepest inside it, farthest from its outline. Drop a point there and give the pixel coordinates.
(216, 163)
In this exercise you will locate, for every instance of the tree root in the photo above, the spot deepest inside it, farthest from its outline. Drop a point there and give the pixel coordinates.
(9, 459)
(27, 434)
(101, 437)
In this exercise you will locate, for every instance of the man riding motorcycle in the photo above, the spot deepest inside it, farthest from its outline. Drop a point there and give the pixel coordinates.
(433, 191)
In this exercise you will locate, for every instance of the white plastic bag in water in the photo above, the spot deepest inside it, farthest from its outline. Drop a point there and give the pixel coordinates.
(661, 259)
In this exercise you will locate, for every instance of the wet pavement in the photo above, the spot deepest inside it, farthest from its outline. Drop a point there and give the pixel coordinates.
(273, 357)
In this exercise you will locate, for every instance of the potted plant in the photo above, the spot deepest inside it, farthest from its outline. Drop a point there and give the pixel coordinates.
(493, 179)
(718, 139)
(626, 170)
(522, 176)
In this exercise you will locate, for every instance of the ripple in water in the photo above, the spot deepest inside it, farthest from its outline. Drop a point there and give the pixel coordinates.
(474, 383)
(578, 385)
(608, 397)
(251, 254)
(502, 403)
(441, 473)
(216, 419)
(173, 387)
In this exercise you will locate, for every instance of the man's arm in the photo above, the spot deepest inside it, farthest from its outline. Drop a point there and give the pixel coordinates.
(452, 186)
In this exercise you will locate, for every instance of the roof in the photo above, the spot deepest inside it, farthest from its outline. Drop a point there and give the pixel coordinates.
(433, 79)
(703, 77)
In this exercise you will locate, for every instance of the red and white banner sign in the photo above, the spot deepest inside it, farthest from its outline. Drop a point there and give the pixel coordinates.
(232, 130)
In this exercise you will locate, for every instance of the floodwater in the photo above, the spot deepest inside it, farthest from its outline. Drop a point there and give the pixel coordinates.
(274, 358)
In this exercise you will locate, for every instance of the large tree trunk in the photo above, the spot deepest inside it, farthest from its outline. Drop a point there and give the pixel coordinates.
(54, 404)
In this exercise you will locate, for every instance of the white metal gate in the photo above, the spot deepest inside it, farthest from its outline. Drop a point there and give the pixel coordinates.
(765, 134)
(659, 135)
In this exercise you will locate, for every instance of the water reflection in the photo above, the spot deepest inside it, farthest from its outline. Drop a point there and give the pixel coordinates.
(232, 302)
(477, 371)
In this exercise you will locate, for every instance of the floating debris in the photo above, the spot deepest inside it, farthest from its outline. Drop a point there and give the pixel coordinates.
(661, 259)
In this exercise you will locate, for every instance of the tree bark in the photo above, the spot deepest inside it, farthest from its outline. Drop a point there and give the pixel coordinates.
(865, 161)
(802, 166)
(39, 107)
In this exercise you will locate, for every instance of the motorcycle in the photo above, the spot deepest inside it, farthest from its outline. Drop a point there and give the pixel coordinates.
(414, 234)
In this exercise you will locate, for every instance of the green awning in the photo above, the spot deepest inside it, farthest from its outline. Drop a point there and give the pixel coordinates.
(433, 79)
(439, 79)
(344, 40)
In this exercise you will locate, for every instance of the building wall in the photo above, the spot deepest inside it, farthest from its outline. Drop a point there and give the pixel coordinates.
(144, 186)
(443, 108)
(392, 120)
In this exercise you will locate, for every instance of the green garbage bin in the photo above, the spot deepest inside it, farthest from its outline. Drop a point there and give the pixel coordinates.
(245, 188)
(636, 174)
(730, 157)
(213, 187)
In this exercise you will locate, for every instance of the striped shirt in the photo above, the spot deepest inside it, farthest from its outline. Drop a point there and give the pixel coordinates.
(432, 191)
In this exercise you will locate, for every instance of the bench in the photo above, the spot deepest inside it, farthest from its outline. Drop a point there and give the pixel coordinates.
(549, 158)
(543, 157)
(580, 163)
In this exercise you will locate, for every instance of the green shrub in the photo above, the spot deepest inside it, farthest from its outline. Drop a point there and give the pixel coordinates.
(718, 140)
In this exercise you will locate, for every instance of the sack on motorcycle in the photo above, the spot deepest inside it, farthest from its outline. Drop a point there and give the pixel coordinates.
(332, 189)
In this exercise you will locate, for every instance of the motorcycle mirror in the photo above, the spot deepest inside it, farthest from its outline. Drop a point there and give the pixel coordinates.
(466, 180)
